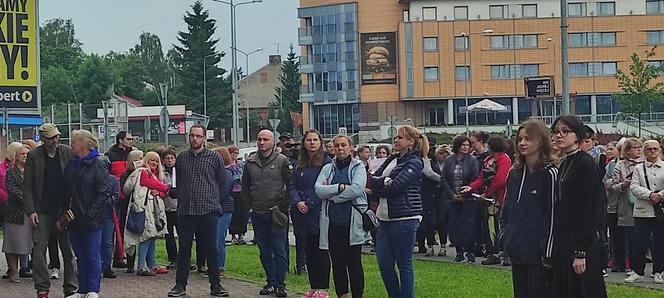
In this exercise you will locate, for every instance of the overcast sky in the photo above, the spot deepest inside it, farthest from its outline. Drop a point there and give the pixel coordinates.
(103, 25)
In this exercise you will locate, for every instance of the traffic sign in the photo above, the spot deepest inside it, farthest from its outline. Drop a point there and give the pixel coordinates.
(274, 123)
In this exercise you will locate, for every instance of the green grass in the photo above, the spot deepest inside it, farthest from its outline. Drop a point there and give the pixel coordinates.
(432, 279)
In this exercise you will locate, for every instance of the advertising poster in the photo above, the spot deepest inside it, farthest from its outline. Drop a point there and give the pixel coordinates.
(379, 58)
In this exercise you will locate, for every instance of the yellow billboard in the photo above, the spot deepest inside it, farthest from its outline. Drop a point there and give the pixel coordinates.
(19, 45)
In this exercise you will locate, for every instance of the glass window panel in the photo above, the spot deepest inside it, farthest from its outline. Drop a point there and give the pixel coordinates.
(498, 42)
(461, 73)
(430, 43)
(406, 16)
(654, 37)
(431, 73)
(578, 69)
(461, 12)
(606, 8)
(428, 13)
(609, 68)
(530, 41)
(461, 43)
(497, 11)
(576, 9)
(653, 7)
(529, 10)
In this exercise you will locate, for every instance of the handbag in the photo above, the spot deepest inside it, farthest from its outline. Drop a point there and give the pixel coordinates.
(369, 219)
(158, 222)
(67, 218)
(136, 220)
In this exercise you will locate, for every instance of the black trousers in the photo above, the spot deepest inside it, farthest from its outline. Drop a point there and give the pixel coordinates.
(346, 262)
(643, 229)
(435, 218)
(240, 218)
(206, 227)
(53, 252)
(318, 262)
(200, 251)
(171, 226)
(529, 281)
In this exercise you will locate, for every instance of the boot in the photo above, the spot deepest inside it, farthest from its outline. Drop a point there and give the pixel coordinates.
(130, 263)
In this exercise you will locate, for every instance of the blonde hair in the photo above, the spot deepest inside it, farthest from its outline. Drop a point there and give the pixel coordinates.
(13, 149)
(225, 155)
(31, 143)
(86, 137)
(444, 149)
(154, 156)
(420, 141)
(629, 144)
(350, 141)
(133, 155)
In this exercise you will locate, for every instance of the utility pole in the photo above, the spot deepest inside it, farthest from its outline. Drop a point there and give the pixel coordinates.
(104, 105)
(164, 121)
(564, 58)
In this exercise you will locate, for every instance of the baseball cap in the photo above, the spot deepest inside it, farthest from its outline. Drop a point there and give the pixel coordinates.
(48, 130)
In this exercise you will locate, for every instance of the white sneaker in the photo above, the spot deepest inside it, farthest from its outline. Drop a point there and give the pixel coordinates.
(91, 295)
(633, 278)
(76, 295)
(659, 278)
(55, 273)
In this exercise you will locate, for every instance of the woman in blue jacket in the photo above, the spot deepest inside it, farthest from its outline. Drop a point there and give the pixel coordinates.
(461, 169)
(526, 216)
(398, 184)
(306, 207)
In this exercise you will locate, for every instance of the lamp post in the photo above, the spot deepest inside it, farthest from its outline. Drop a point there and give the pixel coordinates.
(236, 121)
(564, 58)
(467, 71)
(554, 74)
(205, 87)
(246, 100)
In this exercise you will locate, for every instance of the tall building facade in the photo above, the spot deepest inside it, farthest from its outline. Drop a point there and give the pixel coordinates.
(425, 60)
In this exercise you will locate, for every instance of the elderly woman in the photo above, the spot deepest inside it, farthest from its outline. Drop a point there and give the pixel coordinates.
(147, 193)
(86, 182)
(17, 233)
(647, 181)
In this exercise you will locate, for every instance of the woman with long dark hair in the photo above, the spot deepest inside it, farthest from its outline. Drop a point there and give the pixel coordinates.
(398, 183)
(461, 169)
(526, 215)
(306, 209)
(574, 245)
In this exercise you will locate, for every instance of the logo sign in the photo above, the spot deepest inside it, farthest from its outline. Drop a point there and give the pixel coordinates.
(379, 58)
(538, 87)
(18, 54)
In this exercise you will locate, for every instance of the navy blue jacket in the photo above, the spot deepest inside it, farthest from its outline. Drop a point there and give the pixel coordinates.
(470, 173)
(301, 189)
(403, 193)
(525, 221)
(87, 185)
(226, 198)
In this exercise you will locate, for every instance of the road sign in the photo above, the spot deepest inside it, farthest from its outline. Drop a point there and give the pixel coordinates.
(274, 123)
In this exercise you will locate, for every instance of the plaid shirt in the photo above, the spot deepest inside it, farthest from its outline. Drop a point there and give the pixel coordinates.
(200, 178)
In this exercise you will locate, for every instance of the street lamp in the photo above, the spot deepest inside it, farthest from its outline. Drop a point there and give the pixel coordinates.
(205, 87)
(246, 104)
(236, 121)
(467, 70)
(554, 74)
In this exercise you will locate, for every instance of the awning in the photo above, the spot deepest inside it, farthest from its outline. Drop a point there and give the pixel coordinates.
(23, 120)
(488, 105)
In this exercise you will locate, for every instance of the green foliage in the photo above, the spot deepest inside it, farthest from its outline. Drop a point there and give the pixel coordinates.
(640, 91)
(95, 77)
(57, 86)
(288, 94)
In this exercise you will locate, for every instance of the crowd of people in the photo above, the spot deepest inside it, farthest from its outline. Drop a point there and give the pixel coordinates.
(554, 204)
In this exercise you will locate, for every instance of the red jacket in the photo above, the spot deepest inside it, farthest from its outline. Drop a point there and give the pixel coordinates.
(498, 184)
(152, 182)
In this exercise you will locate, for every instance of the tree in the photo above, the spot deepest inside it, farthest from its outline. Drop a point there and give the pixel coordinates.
(640, 91)
(197, 46)
(287, 96)
(59, 46)
(151, 55)
(94, 79)
(58, 86)
(130, 77)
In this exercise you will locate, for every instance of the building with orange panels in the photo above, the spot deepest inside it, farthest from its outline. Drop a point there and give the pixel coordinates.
(423, 61)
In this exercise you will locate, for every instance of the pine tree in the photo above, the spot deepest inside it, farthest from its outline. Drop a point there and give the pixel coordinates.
(287, 96)
(196, 46)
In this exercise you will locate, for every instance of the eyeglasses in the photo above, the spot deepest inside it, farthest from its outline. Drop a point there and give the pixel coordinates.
(194, 136)
(562, 132)
(652, 149)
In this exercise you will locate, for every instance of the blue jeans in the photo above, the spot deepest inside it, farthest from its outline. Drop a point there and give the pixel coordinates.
(24, 261)
(464, 224)
(395, 241)
(272, 246)
(146, 253)
(107, 232)
(86, 244)
(222, 230)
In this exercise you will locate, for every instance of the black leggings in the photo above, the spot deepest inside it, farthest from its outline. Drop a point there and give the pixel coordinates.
(318, 262)
(435, 219)
(346, 262)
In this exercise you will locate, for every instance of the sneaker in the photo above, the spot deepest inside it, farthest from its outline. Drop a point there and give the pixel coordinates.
(222, 273)
(652, 275)
(55, 273)
(91, 295)
(507, 262)
(159, 270)
(170, 266)
(108, 274)
(633, 278)
(429, 252)
(471, 258)
(267, 290)
(75, 295)
(442, 252)
(281, 292)
(460, 258)
(25, 273)
(145, 272)
(491, 260)
(202, 270)
(604, 273)
(629, 273)
(177, 291)
(130, 270)
(309, 294)
(219, 292)
(659, 278)
(44, 295)
(320, 294)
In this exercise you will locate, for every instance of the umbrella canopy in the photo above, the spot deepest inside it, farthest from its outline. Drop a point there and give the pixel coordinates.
(488, 105)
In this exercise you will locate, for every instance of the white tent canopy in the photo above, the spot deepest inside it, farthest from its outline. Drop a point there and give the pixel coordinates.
(487, 105)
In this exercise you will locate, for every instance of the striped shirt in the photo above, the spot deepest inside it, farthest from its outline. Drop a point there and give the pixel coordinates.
(200, 179)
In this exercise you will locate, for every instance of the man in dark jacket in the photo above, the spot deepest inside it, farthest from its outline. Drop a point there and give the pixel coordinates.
(44, 202)
(266, 175)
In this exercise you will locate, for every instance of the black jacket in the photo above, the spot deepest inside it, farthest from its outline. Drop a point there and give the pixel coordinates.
(403, 193)
(525, 220)
(89, 189)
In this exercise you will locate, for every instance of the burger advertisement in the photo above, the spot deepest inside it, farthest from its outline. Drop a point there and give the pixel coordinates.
(379, 58)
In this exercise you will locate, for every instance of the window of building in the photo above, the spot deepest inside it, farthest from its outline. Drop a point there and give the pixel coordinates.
(429, 13)
(529, 10)
(655, 37)
(529, 70)
(518, 41)
(606, 8)
(576, 9)
(499, 72)
(406, 16)
(578, 69)
(431, 73)
(596, 39)
(659, 64)
(461, 12)
(462, 73)
(430, 44)
(461, 43)
(530, 41)
(502, 72)
(608, 68)
(654, 6)
(498, 11)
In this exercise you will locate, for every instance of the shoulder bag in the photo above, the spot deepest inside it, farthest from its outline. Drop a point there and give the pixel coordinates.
(369, 219)
(136, 220)
(658, 208)
(67, 218)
